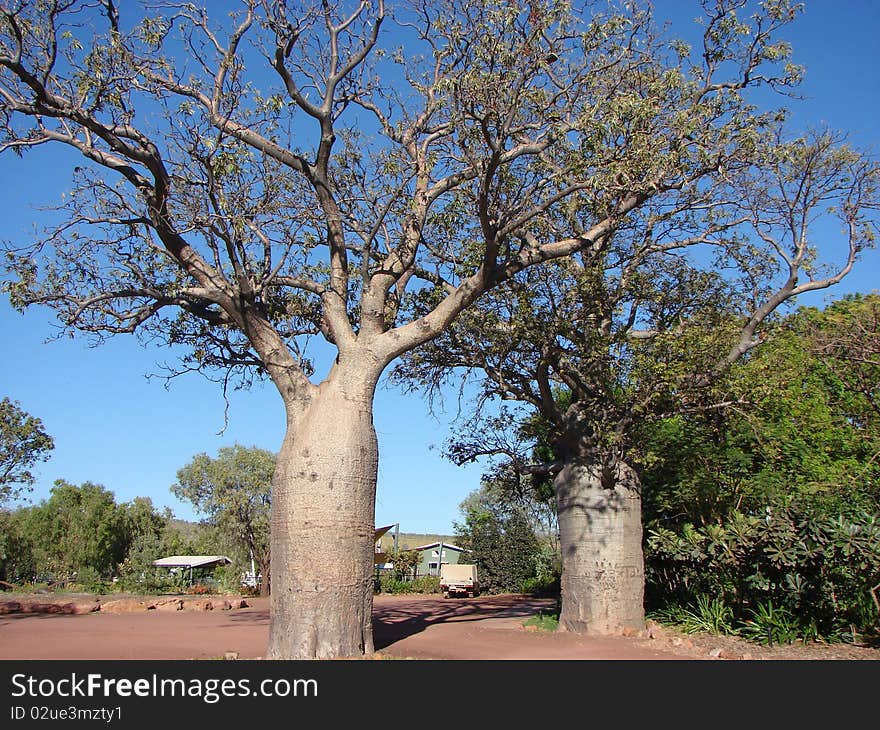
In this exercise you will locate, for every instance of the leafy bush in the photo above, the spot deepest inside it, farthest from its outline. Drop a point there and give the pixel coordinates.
(426, 584)
(786, 569)
(547, 576)
(770, 625)
(88, 581)
(706, 616)
(541, 585)
(227, 579)
(133, 578)
(390, 584)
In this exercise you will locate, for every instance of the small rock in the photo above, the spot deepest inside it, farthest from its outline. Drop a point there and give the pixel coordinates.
(716, 652)
(81, 608)
(169, 605)
(203, 604)
(123, 605)
(229, 655)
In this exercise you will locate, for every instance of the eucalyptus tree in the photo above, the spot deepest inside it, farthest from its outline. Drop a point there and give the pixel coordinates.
(234, 491)
(597, 345)
(23, 442)
(249, 183)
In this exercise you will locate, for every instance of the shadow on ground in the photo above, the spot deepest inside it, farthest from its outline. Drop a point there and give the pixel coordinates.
(395, 618)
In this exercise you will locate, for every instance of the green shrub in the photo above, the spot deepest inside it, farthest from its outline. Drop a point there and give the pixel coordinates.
(770, 625)
(785, 563)
(710, 615)
(389, 584)
(227, 578)
(88, 581)
(541, 585)
(426, 584)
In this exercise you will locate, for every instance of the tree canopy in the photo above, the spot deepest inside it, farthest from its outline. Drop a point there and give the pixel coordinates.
(234, 491)
(248, 183)
(23, 443)
(802, 431)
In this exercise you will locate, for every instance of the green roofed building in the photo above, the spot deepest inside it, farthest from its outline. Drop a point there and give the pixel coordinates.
(434, 554)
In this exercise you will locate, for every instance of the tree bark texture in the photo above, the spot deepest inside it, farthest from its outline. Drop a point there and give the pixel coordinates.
(600, 532)
(266, 582)
(323, 511)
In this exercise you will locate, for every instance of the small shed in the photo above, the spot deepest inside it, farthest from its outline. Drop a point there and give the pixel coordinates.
(191, 562)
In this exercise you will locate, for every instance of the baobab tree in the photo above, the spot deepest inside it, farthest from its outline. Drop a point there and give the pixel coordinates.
(248, 183)
(596, 345)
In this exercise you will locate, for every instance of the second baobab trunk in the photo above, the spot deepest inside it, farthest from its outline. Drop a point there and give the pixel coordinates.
(600, 535)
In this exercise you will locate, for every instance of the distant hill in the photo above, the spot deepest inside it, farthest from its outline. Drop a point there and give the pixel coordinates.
(193, 531)
(410, 540)
(188, 530)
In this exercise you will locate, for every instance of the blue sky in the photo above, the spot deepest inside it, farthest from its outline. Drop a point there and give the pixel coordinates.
(115, 427)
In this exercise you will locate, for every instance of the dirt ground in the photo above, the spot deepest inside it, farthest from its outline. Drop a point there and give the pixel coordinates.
(416, 627)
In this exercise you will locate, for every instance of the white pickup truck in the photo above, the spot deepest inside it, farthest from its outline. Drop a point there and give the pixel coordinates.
(459, 579)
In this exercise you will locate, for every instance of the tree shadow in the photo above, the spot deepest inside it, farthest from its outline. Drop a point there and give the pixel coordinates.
(396, 620)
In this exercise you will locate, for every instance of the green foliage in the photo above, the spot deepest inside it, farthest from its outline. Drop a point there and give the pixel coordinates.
(548, 573)
(234, 491)
(17, 560)
(82, 537)
(87, 580)
(405, 562)
(817, 569)
(807, 429)
(710, 615)
(543, 622)
(770, 625)
(23, 442)
(502, 543)
(77, 526)
(773, 508)
(390, 584)
(227, 578)
(426, 584)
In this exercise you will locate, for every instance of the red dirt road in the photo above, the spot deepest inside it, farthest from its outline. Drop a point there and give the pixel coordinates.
(420, 627)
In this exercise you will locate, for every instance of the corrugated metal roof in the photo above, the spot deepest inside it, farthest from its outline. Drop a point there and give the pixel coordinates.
(190, 561)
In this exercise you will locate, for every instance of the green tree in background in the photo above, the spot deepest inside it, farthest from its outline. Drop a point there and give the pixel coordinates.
(77, 527)
(245, 183)
(804, 428)
(81, 535)
(17, 561)
(502, 542)
(775, 501)
(23, 442)
(234, 491)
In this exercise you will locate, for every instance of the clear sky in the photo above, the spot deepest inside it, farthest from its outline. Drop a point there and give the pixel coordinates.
(115, 427)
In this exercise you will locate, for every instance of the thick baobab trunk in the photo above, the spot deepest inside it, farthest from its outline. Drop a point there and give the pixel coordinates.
(323, 506)
(600, 534)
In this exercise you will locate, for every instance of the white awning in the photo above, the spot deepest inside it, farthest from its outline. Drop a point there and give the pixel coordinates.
(191, 561)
